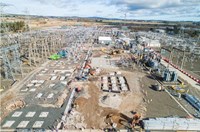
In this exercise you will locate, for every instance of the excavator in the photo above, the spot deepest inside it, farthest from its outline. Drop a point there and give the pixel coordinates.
(116, 51)
(136, 122)
(112, 51)
(136, 119)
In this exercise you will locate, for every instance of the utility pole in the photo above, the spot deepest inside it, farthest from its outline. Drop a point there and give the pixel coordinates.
(170, 56)
(183, 59)
(27, 18)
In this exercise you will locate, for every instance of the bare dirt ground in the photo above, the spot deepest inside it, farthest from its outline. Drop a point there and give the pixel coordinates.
(42, 23)
(120, 105)
(94, 104)
(91, 110)
(141, 98)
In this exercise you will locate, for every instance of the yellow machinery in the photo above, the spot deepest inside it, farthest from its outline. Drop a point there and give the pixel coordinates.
(104, 50)
(180, 89)
(112, 51)
(116, 51)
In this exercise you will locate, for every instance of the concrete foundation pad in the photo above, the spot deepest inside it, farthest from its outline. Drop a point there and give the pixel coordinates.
(50, 95)
(64, 82)
(43, 114)
(23, 124)
(29, 85)
(17, 114)
(32, 90)
(51, 85)
(24, 90)
(8, 124)
(30, 114)
(34, 81)
(39, 95)
(38, 124)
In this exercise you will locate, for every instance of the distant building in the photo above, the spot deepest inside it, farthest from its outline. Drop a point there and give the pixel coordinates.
(150, 43)
(160, 30)
(154, 43)
(104, 40)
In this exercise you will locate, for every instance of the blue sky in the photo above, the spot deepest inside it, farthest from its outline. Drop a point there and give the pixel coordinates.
(178, 10)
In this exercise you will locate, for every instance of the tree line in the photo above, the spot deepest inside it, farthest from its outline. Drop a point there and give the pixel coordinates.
(13, 27)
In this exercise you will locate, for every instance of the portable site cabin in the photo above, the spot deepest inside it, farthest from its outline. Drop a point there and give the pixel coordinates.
(105, 40)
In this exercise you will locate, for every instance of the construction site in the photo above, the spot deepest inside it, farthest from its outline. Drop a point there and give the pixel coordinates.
(97, 78)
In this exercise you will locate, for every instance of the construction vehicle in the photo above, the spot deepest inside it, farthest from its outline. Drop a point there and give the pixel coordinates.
(104, 50)
(179, 89)
(87, 66)
(136, 120)
(112, 52)
(92, 72)
(116, 51)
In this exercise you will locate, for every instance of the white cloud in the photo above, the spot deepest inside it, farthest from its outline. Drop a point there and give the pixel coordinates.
(135, 9)
(151, 3)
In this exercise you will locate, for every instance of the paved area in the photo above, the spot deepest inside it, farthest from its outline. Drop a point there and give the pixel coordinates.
(41, 94)
(33, 117)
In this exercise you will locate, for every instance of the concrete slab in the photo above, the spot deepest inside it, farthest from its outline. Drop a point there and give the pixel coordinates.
(51, 85)
(17, 114)
(41, 81)
(30, 114)
(112, 74)
(34, 81)
(122, 81)
(64, 82)
(43, 114)
(68, 74)
(62, 78)
(24, 90)
(8, 124)
(29, 85)
(38, 84)
(124, 88)
(53, 77)
(23, 124)
(52, 74)
(32, 90)
(39, 95)
(38, 124)
(50, 95)
(123, 85)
